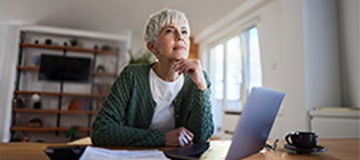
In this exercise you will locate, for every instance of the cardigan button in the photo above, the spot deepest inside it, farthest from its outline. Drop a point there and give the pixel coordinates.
(175, 100)
(177, 116)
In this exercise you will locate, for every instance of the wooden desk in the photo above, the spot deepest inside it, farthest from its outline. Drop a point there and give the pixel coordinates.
(336, 149)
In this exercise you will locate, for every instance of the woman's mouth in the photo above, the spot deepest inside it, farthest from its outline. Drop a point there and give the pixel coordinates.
(179, 48)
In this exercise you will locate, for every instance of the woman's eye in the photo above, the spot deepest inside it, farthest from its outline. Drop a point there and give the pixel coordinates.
(184, 32)
(168, 31)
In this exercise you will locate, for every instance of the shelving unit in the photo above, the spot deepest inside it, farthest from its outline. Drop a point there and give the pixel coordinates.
(94, 52)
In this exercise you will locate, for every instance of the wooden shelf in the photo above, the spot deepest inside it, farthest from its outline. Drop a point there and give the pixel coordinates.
(31, 110)
(92, 73)
(69, 48)
(25, 128)
(61, 93)
(27, 67)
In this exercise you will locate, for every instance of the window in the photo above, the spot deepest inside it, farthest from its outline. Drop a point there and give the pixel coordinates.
(217, 59)
(217, 79)
(233, 73)
(235, 60)
(252, 61)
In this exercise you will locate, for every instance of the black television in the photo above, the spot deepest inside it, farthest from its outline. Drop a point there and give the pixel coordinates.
(64, 68)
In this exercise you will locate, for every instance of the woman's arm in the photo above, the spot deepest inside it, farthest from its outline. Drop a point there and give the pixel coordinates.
(108, 128)
(200, 121)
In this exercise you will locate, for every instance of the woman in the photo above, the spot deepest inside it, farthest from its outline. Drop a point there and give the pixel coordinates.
(163, 104)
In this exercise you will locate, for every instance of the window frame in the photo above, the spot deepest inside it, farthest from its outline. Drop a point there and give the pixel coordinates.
(223, 41)
(243, 47)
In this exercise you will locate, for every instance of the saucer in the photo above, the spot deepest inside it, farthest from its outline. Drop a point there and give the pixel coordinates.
(305, 150)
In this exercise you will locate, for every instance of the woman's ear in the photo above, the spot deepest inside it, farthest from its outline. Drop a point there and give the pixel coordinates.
(151, 47)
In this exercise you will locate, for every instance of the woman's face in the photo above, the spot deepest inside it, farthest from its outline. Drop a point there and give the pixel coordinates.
(172, 43)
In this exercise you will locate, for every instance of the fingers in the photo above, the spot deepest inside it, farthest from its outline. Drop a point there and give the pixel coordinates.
(193, 68)
(183, 141)
(182, 68)
(186, 66)
(187, 133)
(179, 65)
(178, 137)
(190, 134)
(186, 136)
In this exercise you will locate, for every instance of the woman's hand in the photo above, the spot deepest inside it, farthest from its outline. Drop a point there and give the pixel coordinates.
(178, 137)
(193, 68)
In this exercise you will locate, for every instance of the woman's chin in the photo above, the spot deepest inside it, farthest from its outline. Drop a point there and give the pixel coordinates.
(180, 58)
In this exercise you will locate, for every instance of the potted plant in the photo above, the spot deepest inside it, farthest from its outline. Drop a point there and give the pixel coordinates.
(73, 42)
(143, 57)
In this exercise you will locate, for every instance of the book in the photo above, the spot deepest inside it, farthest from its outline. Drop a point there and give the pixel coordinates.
(96, 105)
(77, 105)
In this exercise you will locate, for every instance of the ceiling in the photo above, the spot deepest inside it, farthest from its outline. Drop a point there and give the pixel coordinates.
(111, 16)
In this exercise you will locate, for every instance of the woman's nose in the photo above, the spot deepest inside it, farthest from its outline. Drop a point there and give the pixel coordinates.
(179, 36)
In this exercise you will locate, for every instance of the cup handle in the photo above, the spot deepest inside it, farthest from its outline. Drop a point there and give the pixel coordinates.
(287, 139)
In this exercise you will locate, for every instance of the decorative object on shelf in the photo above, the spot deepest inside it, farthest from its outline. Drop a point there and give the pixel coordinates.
(36, 122)
(36, 60)
(100, 68)
(80, 105)
(26, 139)
(106, 47)
(36, 98)
(144, 59)
(65, 44)
(74, 42)
(48, 41)
(18, 103)
(23, 100)
(36, 41)
(72, 132)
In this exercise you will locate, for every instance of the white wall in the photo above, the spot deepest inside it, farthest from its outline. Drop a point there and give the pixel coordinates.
(321, 54)
(293, 61)
(137, 42)
(9, 35)
(349, 36)
(138, 45)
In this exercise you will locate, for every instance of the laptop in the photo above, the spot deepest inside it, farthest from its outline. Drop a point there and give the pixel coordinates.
(252, 130)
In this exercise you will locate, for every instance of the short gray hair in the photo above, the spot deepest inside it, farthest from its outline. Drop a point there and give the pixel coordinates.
(160, 19)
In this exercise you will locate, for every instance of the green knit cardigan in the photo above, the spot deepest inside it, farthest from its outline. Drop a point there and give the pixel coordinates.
(126, 114)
